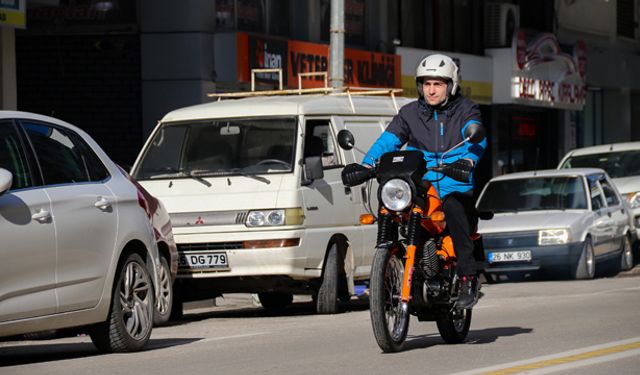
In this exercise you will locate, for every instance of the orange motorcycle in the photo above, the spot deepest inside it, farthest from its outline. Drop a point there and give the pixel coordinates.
(414, 267)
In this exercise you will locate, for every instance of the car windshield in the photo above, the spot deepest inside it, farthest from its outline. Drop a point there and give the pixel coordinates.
(617, 164)
(533, 194)
(246, 146)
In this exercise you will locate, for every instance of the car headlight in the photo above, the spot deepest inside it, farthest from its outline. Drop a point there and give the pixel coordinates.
(634, 199)
(269, 218)
(553, 237)
(396, 194)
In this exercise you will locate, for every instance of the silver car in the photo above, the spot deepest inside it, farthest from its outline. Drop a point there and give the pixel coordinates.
(566, 221)
(622, 163)
(78, 246)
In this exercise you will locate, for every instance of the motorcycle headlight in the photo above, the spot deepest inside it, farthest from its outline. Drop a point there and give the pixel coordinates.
(269, 218)
(396, 194)
(634, 199)
(553, 237)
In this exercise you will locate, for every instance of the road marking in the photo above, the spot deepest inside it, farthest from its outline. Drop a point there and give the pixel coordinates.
(233, 337)
(562, 361)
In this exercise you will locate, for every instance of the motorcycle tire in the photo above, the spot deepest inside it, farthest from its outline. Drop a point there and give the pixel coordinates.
(454, 326)
(390, 323)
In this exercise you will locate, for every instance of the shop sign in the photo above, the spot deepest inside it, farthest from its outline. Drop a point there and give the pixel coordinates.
(475, 73)
(361, 68)
(12, 13)
(544, 75)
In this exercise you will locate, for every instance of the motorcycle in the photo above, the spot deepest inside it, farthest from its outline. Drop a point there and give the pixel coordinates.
(414, 266)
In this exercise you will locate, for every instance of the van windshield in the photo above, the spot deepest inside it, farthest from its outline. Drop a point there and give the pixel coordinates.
(617, 164)
(246, 146)
(532, 194)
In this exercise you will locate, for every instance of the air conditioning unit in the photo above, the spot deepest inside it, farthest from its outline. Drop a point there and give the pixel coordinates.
(501, 21)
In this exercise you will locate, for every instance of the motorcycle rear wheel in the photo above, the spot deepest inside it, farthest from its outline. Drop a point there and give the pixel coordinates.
(390, 322)
(454, 326)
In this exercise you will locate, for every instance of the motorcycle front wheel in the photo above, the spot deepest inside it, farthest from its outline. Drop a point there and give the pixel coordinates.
(390, 322)
(454, 326)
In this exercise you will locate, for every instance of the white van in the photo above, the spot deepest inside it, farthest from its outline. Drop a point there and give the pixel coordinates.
(253, 186)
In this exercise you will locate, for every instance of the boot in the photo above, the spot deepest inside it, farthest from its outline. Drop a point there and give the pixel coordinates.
(467, 292)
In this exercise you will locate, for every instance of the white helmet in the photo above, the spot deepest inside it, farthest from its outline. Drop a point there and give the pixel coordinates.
(439, 66)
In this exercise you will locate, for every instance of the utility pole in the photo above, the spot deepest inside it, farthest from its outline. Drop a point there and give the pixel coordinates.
(336, 50)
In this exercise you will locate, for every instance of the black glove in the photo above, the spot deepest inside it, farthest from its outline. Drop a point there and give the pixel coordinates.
(460, 170)
(355, 174)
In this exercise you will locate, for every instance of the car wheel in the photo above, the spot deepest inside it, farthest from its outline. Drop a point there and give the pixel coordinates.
(164, 303)
(585, 268)
(275, 300)
(327, 299)
(626, 257)
(130, 320)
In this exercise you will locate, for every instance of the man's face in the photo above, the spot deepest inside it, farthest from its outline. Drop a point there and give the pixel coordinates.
(434, 90)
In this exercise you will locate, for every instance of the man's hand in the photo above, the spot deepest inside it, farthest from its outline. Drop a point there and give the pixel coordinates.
(355, 174)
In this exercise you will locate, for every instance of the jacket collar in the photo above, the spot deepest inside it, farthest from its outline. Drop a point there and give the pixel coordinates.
(427, 110)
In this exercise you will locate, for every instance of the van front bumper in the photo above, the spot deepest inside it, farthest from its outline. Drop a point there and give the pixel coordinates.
(248, 254)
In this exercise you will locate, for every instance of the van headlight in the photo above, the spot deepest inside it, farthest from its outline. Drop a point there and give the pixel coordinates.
(553, 237)
(634, 199)
(396, 194)
(270, 218)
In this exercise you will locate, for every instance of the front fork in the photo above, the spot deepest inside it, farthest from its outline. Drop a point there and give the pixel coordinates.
(410, 257)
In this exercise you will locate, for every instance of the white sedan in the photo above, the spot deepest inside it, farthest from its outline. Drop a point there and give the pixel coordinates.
(77, 243)
(567, 220)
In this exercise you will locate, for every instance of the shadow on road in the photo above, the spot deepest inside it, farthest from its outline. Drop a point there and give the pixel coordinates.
(485, 336)
(51, 351)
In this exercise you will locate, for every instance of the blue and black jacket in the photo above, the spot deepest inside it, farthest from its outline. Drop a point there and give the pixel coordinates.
(433, 131)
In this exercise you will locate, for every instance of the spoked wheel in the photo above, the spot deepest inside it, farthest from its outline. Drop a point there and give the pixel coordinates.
(389, 320)
(454, 326)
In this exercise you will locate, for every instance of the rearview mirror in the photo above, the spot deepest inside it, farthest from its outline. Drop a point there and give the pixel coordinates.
(230, 130)
(475, 132)
(6, 179)
(346, 140)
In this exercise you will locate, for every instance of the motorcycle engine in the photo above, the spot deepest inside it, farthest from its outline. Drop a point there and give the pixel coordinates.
(427, 260)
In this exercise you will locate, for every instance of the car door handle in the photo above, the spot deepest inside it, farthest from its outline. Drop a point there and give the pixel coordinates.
(102, 204)
(42, 216)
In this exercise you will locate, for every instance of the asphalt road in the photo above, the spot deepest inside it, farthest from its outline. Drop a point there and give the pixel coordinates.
(564, 327)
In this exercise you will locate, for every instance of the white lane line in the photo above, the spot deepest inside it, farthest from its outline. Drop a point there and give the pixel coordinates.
(572, 358)
(233, 337)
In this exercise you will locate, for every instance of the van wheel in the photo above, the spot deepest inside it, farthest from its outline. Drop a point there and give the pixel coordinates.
(275, 300)
(130, 320)
(177, 307)
(327, 300)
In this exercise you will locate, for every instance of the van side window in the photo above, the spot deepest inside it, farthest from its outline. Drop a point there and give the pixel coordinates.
(319, 141)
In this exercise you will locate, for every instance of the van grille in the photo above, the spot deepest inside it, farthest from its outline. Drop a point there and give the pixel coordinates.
(208, 218)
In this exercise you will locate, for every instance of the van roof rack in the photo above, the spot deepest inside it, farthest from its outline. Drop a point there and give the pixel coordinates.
(333, 91)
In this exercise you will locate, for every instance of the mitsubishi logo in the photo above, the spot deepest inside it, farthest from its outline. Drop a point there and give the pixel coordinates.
(199, 221)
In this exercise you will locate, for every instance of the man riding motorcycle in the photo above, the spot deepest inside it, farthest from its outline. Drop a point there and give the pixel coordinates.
(434, 124)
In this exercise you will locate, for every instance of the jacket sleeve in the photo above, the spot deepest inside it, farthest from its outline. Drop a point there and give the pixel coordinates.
(390, 140)
(473, 151)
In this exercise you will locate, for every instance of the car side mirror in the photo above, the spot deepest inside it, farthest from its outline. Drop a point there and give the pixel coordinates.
(312, 170)
(346, 140)
(6, 179)
(474, 132)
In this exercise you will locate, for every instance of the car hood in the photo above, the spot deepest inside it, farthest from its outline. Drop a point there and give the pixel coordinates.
(627, 184)
(530, 221)
(223, 193)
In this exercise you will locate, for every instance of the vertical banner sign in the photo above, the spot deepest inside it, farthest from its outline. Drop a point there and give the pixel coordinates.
(12, 13)
(361, 68)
